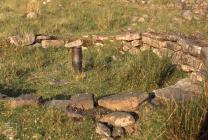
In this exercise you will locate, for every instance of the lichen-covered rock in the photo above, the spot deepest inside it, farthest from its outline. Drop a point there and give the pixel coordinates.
(103, 129)
(123, 102)
(82, 101)
(118, 119)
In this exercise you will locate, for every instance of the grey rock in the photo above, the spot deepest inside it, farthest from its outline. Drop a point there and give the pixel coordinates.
(103, 129)
(118, 119)
(123, 102)
(183, 90)
(82, 101)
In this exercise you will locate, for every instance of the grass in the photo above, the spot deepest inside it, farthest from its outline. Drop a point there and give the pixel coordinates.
(106, 71)
(67, 18)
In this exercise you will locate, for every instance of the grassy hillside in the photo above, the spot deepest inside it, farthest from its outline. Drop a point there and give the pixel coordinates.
(48, 72)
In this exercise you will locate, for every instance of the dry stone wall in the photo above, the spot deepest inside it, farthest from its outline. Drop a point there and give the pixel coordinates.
(115, 115)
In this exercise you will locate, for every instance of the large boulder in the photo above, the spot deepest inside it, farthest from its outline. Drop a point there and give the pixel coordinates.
(118, 119)
(82, 101)
(123, 102)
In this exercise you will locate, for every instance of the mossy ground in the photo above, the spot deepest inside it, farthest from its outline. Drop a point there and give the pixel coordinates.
(31, 69)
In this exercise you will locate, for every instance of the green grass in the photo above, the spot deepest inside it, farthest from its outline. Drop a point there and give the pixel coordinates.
(76, 18)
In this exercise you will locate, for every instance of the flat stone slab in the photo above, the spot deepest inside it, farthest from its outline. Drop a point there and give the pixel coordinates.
(118, 119)
(76, 43)
(82, 101)
(26, 99)
(52, 43)
(183, 90)
(123, 102)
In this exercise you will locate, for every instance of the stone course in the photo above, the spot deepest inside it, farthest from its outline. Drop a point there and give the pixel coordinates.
(188, 53)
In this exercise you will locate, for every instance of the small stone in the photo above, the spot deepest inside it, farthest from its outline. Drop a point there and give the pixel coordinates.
(52, 43)
(26, 99)
(118, 132)
(62, 104)
(75, 113)
(141, 19)
(129, 36)
(118, 119)
(153, 42)
(103, 129)
(32, 15)
(136, 43)
(123, 102)
(188, 15)
(196, 77)
(126, 47)
(76, 43)
(82, 101)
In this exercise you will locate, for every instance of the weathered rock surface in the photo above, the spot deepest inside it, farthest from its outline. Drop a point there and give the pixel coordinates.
(26, 99)
(82, 101)
(76, 43)
(103, 129)
(129, 36)
(118, 119)
(107, 138)
(123, 102)
(52, 43)
(183, 90)
(61, 104)
(118, 132)
(23, 39)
